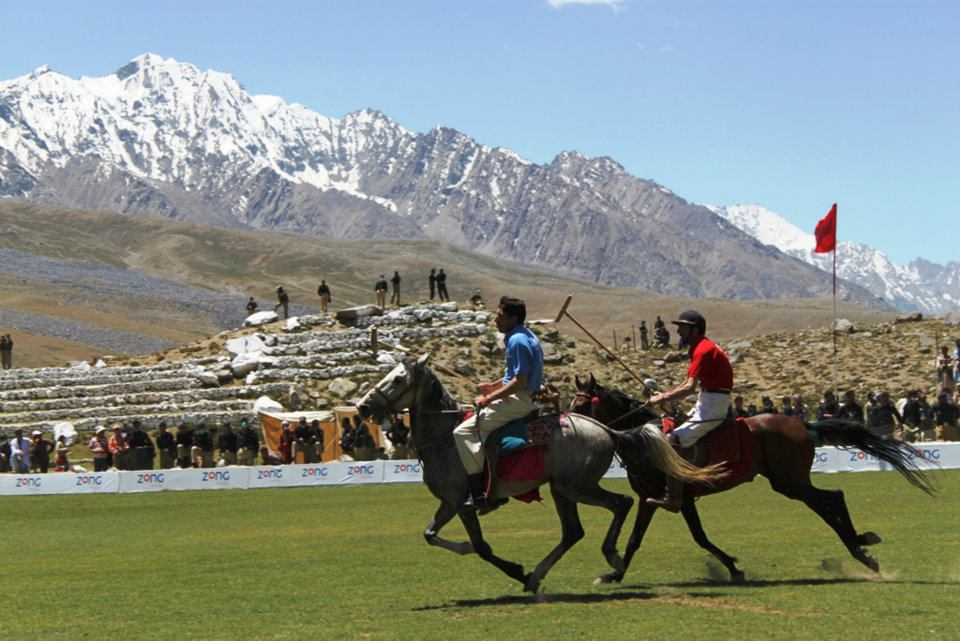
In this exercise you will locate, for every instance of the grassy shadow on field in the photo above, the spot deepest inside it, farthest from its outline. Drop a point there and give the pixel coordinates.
(771, 583)
(542, 597)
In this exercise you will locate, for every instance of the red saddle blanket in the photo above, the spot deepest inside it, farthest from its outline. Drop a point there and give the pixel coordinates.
(730, 445)
(528, 462)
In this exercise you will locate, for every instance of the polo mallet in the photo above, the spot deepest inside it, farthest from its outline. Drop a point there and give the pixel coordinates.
(563, 312)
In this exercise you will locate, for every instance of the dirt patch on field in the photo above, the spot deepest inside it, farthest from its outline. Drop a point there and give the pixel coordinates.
(723, 604)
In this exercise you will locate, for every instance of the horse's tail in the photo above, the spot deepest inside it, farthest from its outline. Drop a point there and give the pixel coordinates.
(648, 441)
(846, 433)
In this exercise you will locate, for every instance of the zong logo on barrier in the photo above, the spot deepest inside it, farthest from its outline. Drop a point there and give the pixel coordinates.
(29, 481)
(263, 475)
(150, 478)
(313, 472)
(215, 476)
(406, 468)
(360, 470)
(88, 480)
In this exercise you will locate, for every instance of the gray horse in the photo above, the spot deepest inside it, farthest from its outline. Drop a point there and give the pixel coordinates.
(576, 460)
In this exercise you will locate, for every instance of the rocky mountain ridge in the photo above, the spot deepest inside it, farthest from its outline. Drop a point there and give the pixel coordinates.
(918, 286)
(165, 138)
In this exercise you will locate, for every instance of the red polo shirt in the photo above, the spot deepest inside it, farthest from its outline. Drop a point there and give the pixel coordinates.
(710, 365)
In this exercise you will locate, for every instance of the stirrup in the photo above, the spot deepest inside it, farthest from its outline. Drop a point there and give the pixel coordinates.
(481, 504)
(666, 502)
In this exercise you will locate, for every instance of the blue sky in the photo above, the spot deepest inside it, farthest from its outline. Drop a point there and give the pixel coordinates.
(792, 105)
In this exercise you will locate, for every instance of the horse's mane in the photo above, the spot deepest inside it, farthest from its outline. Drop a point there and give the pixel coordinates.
(438, 393)
(629, 401)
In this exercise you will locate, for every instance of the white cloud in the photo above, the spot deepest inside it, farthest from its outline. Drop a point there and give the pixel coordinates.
(613, 4)
(667, 49)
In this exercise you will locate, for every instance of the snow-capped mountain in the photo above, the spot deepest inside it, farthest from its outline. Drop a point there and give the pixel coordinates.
(920, 286)
(163, 137)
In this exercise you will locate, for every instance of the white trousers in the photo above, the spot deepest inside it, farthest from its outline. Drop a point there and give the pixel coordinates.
(469, 438)
(708, 413)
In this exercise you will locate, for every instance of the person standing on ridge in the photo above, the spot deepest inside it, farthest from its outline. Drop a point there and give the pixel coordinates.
(381, 291)
(324, 292)
(442, 286)
(395, 293)
(282, 301)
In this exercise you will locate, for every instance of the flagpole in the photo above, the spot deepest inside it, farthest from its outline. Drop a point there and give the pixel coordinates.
(826, 237)
(835, 358)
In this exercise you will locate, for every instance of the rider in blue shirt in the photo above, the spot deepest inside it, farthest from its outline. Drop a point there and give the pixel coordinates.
(502, 401)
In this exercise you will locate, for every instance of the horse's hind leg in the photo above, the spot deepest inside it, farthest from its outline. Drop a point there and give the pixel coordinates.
(619, 504)
(692, 517)
(645, 513)
(832, 508)
(572, 532)
(472, 524)
(443, 515)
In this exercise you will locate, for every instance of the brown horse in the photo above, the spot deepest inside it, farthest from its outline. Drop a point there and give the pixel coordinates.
(783, 452)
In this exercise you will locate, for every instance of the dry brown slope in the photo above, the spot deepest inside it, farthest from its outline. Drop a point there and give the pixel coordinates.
(248, 262)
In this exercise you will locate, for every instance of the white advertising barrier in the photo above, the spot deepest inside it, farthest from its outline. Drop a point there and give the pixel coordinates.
(356, 472)
(59, 483)
(827, 459)
(274, 476)
(215, 478)
(406, 471)
(316, 474)
(311, 475)
(947, 455)
(616, 470)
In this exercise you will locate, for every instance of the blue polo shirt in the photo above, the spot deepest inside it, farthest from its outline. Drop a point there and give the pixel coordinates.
(524, 356)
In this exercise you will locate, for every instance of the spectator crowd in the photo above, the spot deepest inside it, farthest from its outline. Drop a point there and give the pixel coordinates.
(130, 447)
(911, 418)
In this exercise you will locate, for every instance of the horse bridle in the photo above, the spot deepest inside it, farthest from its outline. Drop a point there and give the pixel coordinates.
(391, 407)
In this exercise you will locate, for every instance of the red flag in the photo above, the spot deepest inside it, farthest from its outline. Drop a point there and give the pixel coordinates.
(826, 232)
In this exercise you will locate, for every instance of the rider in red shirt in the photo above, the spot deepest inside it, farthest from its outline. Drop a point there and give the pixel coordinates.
(710, 367)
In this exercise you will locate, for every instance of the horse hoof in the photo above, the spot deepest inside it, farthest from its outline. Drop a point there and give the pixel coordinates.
(612, 577)
(532, 584)
(873, 564)
(738, 577)
(868, 538)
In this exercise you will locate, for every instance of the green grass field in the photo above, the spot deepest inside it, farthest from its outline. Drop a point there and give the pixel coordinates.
(350, 563)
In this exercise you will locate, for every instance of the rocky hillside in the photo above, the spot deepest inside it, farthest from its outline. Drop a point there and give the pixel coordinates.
(314, 362)
(165, 138)
(75, 283)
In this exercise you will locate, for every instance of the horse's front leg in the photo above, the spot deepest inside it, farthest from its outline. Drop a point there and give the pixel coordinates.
(472, 524)
(645, 513)
(572, 532)
(443, 515)
(692, 517)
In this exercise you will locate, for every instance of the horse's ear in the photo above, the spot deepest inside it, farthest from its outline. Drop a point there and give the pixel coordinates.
(593, 381)
(423, 360)
(576, 381)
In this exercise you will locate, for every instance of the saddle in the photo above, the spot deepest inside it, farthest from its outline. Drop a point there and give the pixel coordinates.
(517, 451)
(728, 444)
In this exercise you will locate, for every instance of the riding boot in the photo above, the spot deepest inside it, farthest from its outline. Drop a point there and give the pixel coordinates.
(673, 498)
(477, 498)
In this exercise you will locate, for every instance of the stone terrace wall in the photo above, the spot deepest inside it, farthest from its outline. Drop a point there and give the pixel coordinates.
(224, 387)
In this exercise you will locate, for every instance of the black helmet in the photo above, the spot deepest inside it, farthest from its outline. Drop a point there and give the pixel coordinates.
(692, 317)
